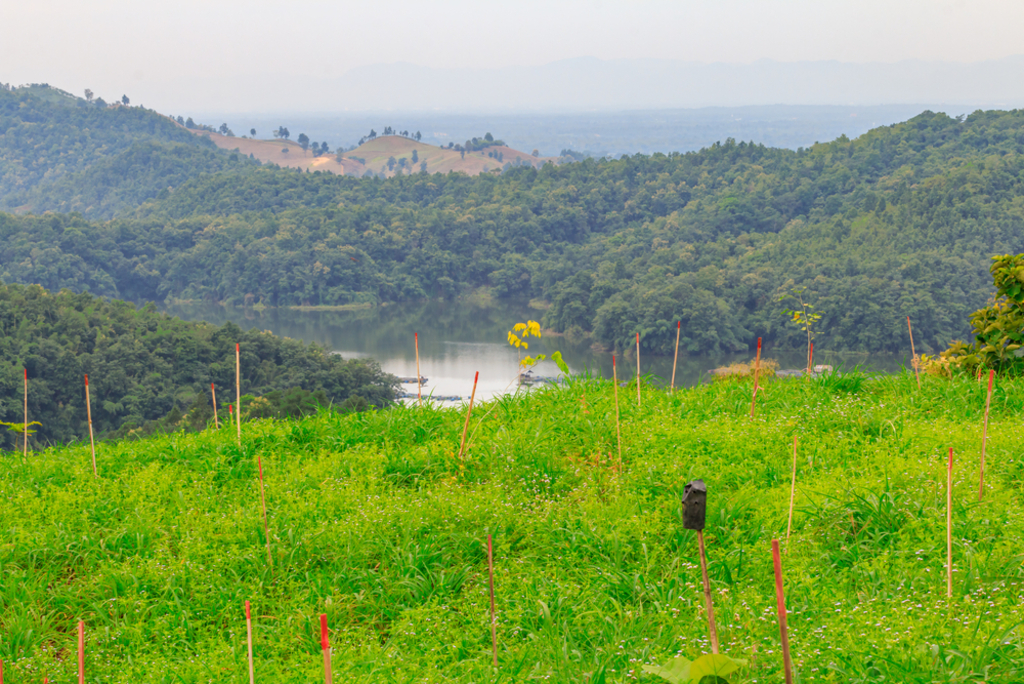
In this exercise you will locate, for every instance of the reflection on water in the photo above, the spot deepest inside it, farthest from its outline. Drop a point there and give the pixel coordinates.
(458, 339)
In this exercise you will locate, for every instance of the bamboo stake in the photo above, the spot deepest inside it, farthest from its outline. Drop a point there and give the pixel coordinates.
(810, 358)
(638, 370)
(792, 496)
(984, 437)
(263, 503)
(81, 652)
(490, 573)
(238, 391)
(25, 454)
(465, 429)
(326, 647)
(248, 632)
(419, 385)
(949, 526)
(780, 600)
(712, 627)
(757, 376)
(88, 415)
(618, 431)
(213, 394)
(675, 359)
(913, 355)
(1, 672)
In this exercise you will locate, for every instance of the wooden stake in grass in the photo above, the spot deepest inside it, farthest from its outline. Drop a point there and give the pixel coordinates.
(238, 391)
(88, 415)
(780, 600)
(248, 632)
(984, 437)
(326, 646)
(792, 495)
(618, 432)
(949, 526)
(638, 370)
(675, 359)
(465, 429)
(913, 355)
(490, 575)
(810, 358)
(213, 395)
(419, 384)
(25, 454)
(81, 652)
(263, 503)
(757, 377)
(694, 504)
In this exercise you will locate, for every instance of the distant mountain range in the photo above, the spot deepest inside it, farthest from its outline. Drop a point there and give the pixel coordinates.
(589, 83)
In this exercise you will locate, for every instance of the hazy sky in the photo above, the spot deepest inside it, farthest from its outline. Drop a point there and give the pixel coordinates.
(155, 50)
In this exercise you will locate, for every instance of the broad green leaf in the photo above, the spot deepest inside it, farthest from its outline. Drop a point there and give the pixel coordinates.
(716, 664)
(676, 671)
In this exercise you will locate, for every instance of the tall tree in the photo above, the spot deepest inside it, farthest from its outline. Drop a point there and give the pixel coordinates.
(303, 141)
(88, 95)
(125, 101)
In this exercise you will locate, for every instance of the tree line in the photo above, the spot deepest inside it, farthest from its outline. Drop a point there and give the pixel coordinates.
(150, 371)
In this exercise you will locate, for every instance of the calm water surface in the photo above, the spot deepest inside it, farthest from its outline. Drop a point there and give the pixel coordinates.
(457, 340)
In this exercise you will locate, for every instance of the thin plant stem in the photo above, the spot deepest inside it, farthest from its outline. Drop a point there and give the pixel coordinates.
(792, 496)
(469, 413)
(913, 355)
(984, 437)
(712, 627)
(88, 416)
(675, 359)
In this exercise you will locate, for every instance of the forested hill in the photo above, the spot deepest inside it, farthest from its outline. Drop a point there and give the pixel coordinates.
(901, 221)
(148, 369)
(60, 152)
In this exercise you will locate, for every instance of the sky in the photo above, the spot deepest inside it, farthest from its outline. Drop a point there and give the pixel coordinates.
(169, 55)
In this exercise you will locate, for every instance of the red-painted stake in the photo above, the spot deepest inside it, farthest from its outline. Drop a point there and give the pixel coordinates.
(618, 432)
(419, 384)
(913, 355)
(81, 652)
(949, 526)
(26, 413)
(490, 574)
(238, 391)
(984, 437)
(465, 430)
(263, 503)
(1, 672)
(780, 600)
(638, 370)
(248, 631)
(326, 646)
(757, 375)
(213, 394)
(675, 359)
(88, 415)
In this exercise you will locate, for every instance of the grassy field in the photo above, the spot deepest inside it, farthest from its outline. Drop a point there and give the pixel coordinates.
(375, 521)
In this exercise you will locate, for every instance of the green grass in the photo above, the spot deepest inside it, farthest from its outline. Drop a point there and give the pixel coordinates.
(375, 522)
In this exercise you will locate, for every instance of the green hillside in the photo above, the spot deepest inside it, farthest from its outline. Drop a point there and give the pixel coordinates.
(901, 221)
(151, 371)
(374, 521)
(59, 152)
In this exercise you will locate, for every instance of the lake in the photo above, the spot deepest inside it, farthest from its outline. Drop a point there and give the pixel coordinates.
(459, 339)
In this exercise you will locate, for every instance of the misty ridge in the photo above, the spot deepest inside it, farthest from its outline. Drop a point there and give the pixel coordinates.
(588, 83)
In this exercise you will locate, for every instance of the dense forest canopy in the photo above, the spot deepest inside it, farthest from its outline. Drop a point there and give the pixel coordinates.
(145, 366)
(901, 221)
(59, 152)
